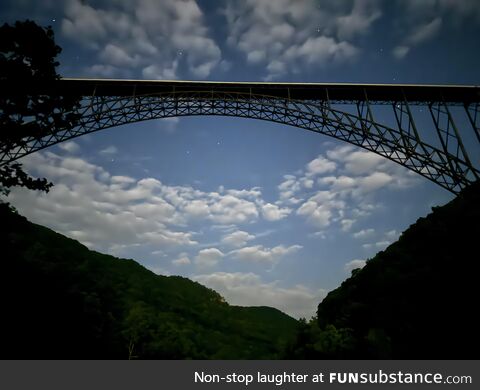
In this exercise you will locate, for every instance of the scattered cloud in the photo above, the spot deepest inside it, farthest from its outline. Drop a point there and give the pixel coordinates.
(159, 270)
(208, 257)
(69, 146)
(106, 211)
(109, 150)
(392, 235)
(320, 165)
(182, 259)
(272, 212)
(377, 245)
(400, 51)
(363, 234)
(425, 32)
(320, 208)
(354, 264)
(261, 254)
(128, 36)
(346, 181)
(237, 238)
(286, 35)
(248, 289)
(422, 21)
(347, 224)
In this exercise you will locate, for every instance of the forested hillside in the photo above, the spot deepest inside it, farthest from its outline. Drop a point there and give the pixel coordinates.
(417, 299)
(61, 300)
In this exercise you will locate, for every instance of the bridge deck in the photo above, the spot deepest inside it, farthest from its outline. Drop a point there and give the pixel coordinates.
(297, 91)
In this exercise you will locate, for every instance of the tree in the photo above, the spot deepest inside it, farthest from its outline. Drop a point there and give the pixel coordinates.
(27, 59)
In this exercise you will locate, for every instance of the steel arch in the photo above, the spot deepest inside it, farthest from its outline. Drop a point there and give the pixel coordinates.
(451, 170)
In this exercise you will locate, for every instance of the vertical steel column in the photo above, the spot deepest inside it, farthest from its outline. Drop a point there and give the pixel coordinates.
(402, 109)
(448, 133)
(364, 115)
(474, 117)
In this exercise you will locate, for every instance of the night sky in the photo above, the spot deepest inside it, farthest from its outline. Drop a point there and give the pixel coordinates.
(266, 214)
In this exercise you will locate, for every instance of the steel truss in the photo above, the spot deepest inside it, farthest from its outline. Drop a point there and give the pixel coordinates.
(448, 164)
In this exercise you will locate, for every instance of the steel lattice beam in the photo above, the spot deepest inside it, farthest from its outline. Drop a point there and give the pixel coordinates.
(312, 107)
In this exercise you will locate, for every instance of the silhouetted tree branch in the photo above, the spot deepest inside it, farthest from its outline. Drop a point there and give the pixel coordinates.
(28, 58)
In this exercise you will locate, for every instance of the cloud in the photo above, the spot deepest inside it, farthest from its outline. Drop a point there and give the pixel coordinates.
(288, 36)
(105, 212)
(155, 39)
(354, 264)
(377, 245)
(208, 257)
(69, 146)
(346, 181)
(400, 52)
(419, 33)
(87, 205)
(230, 209)
(320, 165)
(425, 32)
(421, 21)
(182, 259)
(391, 235)
(374, 181)
(237, 238)
(247, 289)
(260, 254)
(347, 224)
(360, 19)
(288, 188)
(320, 208)
(109, 150)
(457, 11)
(272, 212)
(363, 234)
(159, 270)
(360, 162)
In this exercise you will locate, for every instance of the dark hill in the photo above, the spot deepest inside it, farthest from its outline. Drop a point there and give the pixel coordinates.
(418, 299)
(60, 300)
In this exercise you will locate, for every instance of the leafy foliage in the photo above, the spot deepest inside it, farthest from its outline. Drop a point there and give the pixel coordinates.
(13, 175)
(415, 300)
(27, 61)
(61, 300)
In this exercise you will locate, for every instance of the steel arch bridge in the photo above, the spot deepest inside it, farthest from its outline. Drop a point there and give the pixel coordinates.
(433, 130)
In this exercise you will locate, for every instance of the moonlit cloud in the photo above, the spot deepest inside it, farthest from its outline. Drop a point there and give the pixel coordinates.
(237, 238)
(182, 259)
(142, 34)
(208, 257)
(363, 234)
(89, 204)
(286, 35)
(260, 254)
(69, 146)
(354, 264)
(272, 212)
(249, 289)
(422, 21)
(358, 175)
(109, 150)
